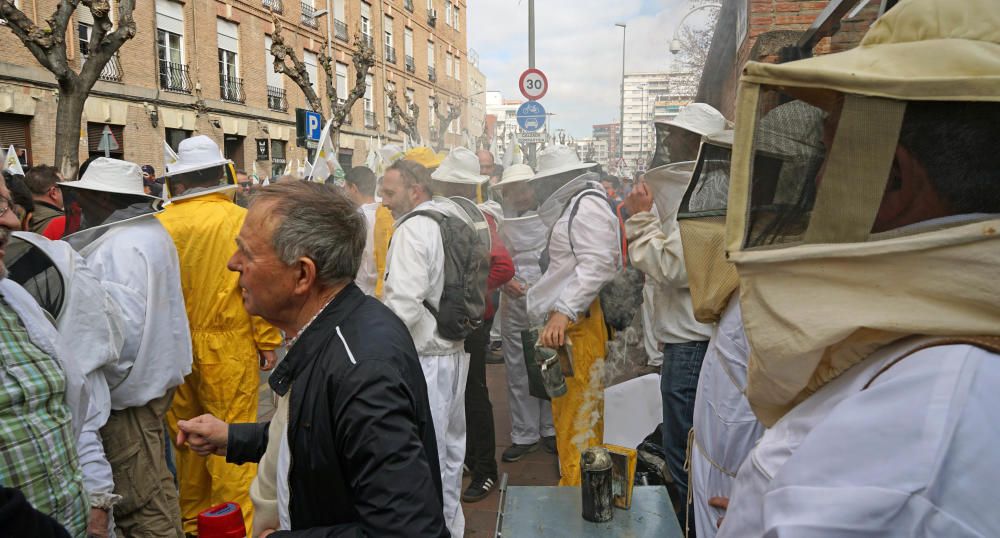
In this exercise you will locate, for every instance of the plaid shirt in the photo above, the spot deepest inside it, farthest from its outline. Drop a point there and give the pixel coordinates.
(37, 449)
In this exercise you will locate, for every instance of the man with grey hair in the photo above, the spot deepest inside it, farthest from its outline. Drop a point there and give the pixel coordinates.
(351, 448)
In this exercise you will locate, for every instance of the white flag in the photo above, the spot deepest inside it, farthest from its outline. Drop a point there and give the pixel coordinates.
(169, 156)
(513, 154)
(254, 179)
(12, 163)
(325, 164)
(288, 168)
(494, 150)
(374, 160)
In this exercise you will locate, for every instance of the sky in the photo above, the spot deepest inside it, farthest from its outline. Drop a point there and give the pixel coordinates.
(578, 47)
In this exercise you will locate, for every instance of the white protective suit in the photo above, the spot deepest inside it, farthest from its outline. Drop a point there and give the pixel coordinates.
(414, 273)
(137, 263)
(79, 396)
(91, 334)
(368, 271)
(903, 457)
(569, 286)
(725, 428)
(530, 417)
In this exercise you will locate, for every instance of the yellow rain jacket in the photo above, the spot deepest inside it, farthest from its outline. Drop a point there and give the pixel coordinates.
(383, 232)
(225, 339)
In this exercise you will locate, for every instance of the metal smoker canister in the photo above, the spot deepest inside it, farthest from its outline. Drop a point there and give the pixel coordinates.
(595, 484)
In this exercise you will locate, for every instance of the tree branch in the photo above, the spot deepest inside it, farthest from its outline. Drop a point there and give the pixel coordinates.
(105, 43)
(37, 40)
(364, 59)
(407, 122)
(297, 71)
(444, 120)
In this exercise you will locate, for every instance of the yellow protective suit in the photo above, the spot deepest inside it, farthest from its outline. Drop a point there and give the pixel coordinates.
(383, 232)
(225, 339)
(579, 414)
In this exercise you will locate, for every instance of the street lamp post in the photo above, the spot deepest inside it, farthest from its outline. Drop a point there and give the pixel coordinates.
(675, 43)
(621, 117)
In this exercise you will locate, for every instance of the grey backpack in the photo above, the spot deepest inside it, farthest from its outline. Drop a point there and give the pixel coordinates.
(467, 248)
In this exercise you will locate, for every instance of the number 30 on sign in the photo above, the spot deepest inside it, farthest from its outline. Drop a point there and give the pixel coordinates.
(533, 84)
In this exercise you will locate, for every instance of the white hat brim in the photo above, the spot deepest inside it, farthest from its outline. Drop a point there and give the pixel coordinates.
(464, 179)
(179, 168)
(563, 170)
(89, 186)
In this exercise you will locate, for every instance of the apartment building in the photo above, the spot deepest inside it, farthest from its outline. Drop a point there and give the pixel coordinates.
(476, 91)
(205, 67)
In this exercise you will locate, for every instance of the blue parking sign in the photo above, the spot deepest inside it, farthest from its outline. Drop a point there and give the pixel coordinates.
(531, 116)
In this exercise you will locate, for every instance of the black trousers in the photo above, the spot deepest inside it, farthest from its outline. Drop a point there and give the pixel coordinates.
(480, 439)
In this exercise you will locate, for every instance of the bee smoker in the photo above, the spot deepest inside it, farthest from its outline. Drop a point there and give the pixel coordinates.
(552, 374)
(595, 484)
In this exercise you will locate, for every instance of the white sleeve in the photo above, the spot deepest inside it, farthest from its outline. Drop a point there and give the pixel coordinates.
(912, 455)
(97, 478)
(407, 275)
(594, 236)
(658, 254)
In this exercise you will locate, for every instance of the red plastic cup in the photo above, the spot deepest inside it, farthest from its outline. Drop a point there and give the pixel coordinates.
(222, 521)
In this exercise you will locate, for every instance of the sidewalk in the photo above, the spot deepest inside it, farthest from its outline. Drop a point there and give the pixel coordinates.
(536, 469)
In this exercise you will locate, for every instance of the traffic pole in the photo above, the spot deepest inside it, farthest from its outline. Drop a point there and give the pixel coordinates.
(531, 65)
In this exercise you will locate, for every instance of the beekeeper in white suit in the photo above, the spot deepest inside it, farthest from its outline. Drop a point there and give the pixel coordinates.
(414, 278)
(870, 298)
(524, 234)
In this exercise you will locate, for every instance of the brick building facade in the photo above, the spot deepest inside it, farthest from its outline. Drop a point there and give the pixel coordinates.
(203, 67)
(758, 30)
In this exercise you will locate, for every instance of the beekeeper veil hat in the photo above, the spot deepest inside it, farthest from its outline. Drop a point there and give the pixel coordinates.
(829, 272)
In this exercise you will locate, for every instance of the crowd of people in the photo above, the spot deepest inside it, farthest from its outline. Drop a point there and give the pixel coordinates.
(818, 284)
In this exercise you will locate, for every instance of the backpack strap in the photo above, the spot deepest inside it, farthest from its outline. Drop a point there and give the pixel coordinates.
(988, 343)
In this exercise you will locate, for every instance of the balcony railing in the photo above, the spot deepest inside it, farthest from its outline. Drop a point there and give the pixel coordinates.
(390, 54)
(112, 71)
(367, 38)
(408, 4)
(274, 5)
(369, 119)
(308, 15)
(276, 99)
(431, 75)
(340, 30)
(432, 18)
(231, 89)
(411, 66)
(174, 77)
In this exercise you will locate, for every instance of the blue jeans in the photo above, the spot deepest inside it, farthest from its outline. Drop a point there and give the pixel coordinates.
(678, 385)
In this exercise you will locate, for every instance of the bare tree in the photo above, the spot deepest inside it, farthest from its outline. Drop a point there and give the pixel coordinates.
(288, 63)
(695, 43)
(451, 112)
(407, 121)
(48, 46)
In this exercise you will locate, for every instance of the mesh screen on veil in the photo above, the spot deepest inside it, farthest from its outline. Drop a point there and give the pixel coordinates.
(788, 153)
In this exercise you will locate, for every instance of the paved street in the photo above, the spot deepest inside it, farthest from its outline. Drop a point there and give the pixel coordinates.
(536, 469)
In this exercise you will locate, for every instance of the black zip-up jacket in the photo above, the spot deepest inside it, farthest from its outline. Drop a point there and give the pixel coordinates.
(363, 456)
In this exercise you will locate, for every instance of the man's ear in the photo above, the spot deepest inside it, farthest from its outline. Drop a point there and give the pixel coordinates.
(307, 275)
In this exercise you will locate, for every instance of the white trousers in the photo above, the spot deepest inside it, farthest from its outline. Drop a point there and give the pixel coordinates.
(445, 376)
(530, 417)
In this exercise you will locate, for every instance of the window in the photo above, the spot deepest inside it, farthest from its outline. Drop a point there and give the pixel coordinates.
(170, 46)
(366, 23)
(448, 64)
(369, 102)
(230, 85)
(454, 19)
(341, 82)
(390, 49)
(408, 50)
(311, 61)
(278, 161)
(411, 98)
(447, 13)
(458, 69)
(174, 137)
(430, 53)
(390, 89)
(431, 114)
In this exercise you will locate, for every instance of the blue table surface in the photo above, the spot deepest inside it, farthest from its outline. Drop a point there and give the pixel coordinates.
(555, 512)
